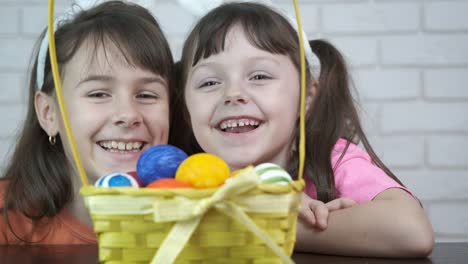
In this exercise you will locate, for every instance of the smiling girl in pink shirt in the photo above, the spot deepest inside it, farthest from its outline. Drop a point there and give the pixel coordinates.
(240, 86)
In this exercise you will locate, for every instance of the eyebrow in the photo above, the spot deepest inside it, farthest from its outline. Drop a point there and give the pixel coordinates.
(107, 78)
(249, 60)
(203, 65)
(155, 79)
(264, 58)
(102, 78)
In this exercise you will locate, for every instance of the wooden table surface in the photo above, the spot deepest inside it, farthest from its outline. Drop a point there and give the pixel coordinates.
(444, 253)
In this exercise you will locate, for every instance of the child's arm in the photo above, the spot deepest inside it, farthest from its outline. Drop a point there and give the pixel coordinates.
(393, 224)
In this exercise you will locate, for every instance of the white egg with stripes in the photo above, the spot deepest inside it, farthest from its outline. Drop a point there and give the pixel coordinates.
(272, 173)
(116, 180)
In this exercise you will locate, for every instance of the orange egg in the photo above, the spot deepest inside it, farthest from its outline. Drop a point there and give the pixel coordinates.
(168, 183)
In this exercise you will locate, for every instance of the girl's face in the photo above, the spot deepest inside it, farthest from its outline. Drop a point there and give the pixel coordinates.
(116, 110)
(243, 103)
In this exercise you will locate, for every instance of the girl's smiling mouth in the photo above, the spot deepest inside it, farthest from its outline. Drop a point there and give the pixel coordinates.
(121, 146)
(239, 125)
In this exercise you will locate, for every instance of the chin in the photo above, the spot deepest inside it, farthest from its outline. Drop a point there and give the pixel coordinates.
(236, 165)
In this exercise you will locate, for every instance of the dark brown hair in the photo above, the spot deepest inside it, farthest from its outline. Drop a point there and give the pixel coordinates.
(39, 174)
(333, 113)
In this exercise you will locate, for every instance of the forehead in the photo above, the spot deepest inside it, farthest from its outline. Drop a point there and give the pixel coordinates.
(95, 57)
(236, 36)
(241, 47)
(238, 42)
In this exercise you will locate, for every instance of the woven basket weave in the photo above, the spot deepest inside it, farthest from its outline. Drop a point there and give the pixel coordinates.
(133, 224)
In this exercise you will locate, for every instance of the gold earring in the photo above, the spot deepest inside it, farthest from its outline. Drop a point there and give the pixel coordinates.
(52, 140)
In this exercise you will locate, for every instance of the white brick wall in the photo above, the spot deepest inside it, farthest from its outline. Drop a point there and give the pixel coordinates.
(409, 62)
(10, 93)
(388, 84)
(446, 84)
(12, 117)
(9, 16)
(425, 50)
(424, 117)
(447, 152)
(15, 53)
(450, 219)
(437, 15)
(365, 17)
(358, 50)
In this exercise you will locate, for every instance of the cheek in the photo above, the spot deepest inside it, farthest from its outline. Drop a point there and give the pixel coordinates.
(200, 107)
(158, 117)
(86, 123)
(285, 108)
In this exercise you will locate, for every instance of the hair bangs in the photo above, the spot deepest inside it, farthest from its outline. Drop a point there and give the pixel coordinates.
(137, 45)
(264, 30)
(134, 34)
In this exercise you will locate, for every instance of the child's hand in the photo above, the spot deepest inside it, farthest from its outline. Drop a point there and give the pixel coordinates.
(315, 212)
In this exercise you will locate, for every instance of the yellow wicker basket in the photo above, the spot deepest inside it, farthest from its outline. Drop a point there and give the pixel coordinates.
(242, 221)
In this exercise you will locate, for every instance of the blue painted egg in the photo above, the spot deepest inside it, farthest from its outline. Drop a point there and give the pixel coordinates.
(116, 180)
(158, 162)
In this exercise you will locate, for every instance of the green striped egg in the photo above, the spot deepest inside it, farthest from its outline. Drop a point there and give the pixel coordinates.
(272, 173)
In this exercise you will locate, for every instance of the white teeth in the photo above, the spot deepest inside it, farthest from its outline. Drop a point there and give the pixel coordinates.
(238, 123)
(121, 146)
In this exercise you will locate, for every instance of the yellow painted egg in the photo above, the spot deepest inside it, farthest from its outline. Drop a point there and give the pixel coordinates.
(203, 170)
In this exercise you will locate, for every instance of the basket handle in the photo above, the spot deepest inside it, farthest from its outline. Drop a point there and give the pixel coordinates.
(58, 90)
(303, 93)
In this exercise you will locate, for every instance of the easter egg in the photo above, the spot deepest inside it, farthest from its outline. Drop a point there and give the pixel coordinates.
(116, 180)
(135, 176)
(272, 173)
(160, 161)
(168, 183)
(203, 170)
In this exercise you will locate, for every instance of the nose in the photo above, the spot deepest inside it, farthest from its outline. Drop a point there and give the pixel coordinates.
(127, 114)
(235, 94)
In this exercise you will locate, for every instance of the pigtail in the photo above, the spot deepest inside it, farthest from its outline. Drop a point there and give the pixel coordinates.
(334, 116)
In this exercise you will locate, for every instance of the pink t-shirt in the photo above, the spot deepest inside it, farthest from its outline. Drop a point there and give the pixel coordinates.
(356, 176)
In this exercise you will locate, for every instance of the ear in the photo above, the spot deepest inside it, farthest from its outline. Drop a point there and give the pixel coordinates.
(311, 92)
(46, 112)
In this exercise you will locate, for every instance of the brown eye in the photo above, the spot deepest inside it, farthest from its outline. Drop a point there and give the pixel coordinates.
(147, 96)
(208, 83)
(98, 95)
(258, 77)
